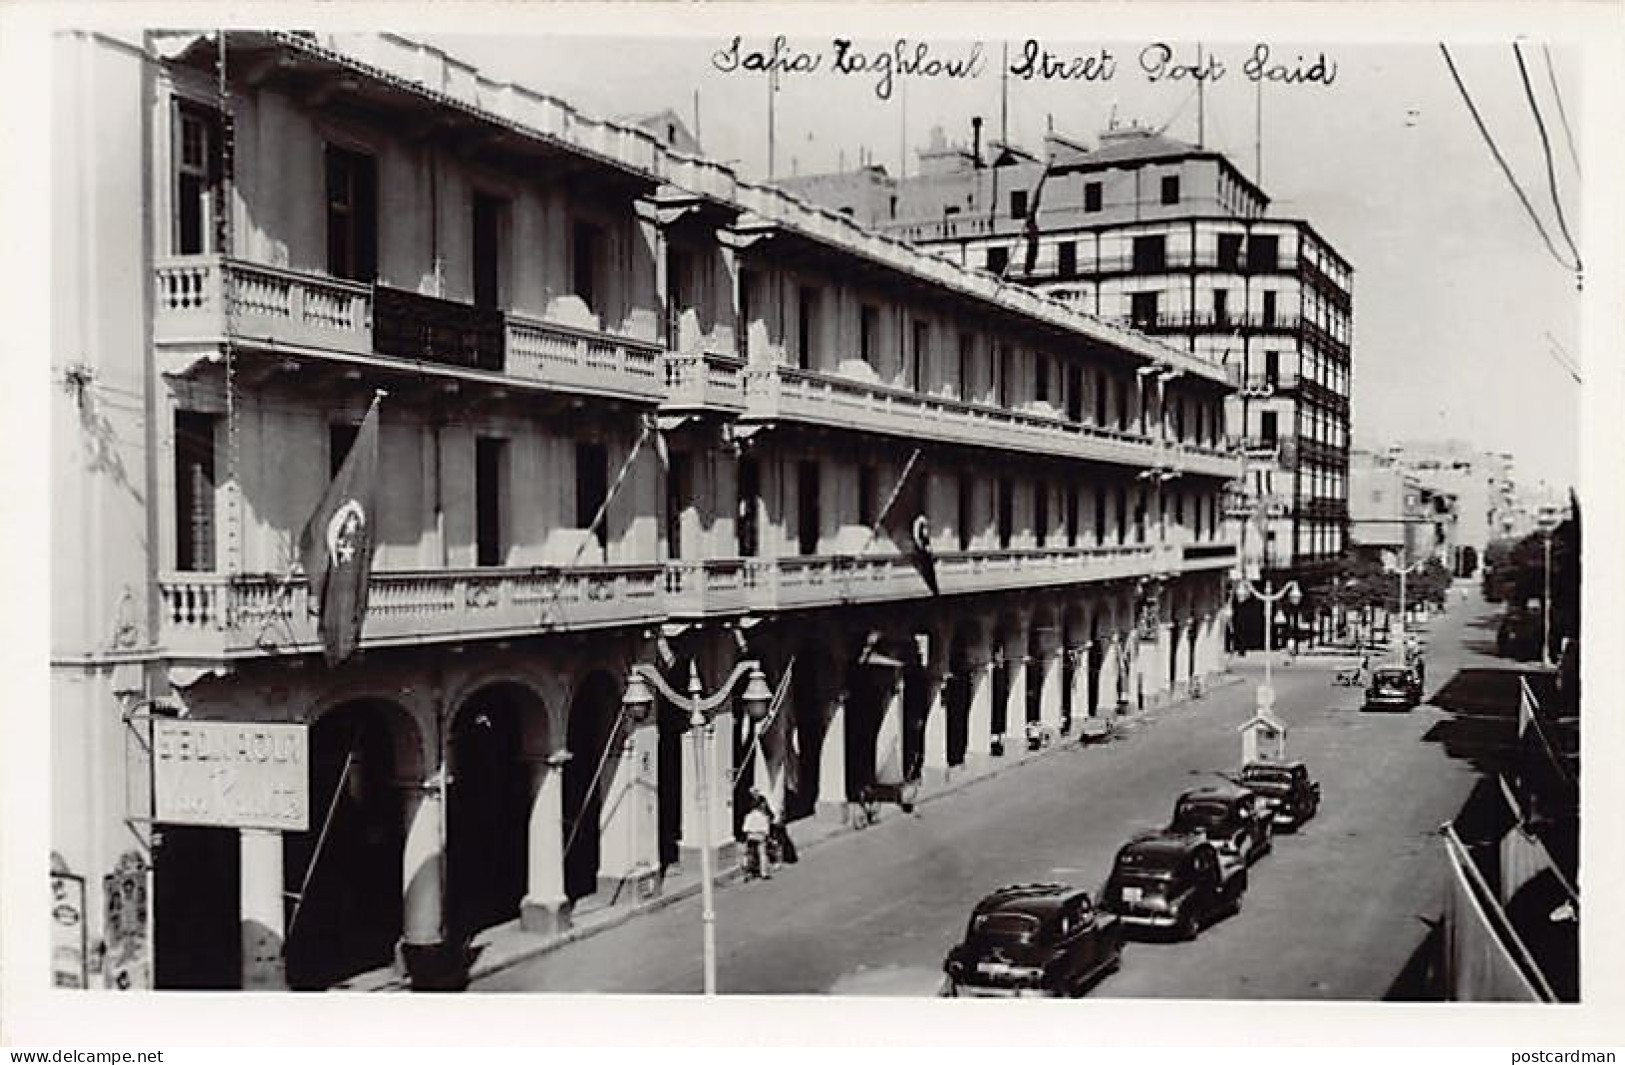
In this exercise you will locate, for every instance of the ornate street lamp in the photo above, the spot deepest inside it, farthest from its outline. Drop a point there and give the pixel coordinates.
(638, 701)
(1268, 598)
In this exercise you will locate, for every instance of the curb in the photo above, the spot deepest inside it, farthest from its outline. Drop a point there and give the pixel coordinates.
(616, 918)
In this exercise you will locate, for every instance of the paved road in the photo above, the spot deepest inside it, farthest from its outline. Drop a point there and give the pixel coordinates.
(1334, 912)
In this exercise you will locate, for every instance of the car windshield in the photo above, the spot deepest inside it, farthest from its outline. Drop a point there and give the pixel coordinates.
(1391, 676)
(1202, 813)
(1008, 926)
(1267, 774)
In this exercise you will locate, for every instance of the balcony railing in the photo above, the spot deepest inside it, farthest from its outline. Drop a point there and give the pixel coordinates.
(716, 586)
(307, 313)
(216, 615)
(704, 381)
(787, 394)
(268, 304)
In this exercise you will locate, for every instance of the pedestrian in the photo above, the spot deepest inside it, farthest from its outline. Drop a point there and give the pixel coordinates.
(757, 825)
(787, 847)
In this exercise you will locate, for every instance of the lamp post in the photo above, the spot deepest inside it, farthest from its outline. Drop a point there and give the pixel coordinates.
(1268, 598)
(1404, 571)
(702, 727)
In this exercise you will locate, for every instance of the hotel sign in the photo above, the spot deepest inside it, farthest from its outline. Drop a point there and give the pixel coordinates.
(231, 774)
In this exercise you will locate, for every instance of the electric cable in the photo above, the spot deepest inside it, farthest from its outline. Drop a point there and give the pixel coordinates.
(1562, 114)
(1546, 153)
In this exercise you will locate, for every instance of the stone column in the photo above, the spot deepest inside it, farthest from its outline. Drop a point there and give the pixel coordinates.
(545, 907)
(627, 818)
(935, 764)
(832, 758)
(979, 723)
(1049, 692)
(260, 912)
(423, 930)
(1080, 683)
(1108, 676)
(1015, 702)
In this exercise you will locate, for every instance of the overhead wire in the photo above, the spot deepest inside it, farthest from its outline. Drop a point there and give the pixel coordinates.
(1562, 114)
(1546, 154)
(1506, 170)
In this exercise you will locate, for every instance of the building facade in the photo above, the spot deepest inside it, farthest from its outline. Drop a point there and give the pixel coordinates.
(1177, 242)
(636, 411)
(1480, 482)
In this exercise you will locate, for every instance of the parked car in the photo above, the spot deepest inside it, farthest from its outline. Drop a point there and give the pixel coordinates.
(1393, 688)
(1034, 939)
(1232, 817)
(1165, 882)
(1289, 793)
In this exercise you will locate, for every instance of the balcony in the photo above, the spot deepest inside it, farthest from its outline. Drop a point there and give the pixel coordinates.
(702, 382)
(821, 580)
(213, 615)
(307, 314)
(1197, 557)
(784, 394)
(1200, 459)
(709, 588)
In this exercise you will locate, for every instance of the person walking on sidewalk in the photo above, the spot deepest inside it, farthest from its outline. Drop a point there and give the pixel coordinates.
(758, 824)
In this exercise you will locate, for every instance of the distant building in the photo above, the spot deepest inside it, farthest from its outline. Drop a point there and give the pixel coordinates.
(1393, 511)
(668, 128)
(1479, 481)
(1174, 240)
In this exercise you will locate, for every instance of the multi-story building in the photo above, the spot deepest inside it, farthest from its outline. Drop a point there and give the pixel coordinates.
(1480, 482)
(638, 411)
(1174, 240)
(1393, 510)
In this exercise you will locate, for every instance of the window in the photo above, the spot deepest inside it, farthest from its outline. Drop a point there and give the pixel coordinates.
(1041, 378)
(1091, 196)
(869, 335)
(488, 466)
(197, 179)
(1272, 367)
(1142, 309)
(1072, 504)
(1170, 189)
(1100, 513)
(1263, 253)
(194, 491)
(1067, 251)
(1269, 308)
(1122, 405)
(750, 491)
(747, 312)
(352, 215)
(1041, 513)
(997, 259)
(808, 517)
(806, 326)
(1074, 393)
(1230, 251)
(1150, 254)
(1221, 306)
(1141, 506)
(1102, 387)
(921, 353)
(488, 215)
(1001, 376)
(1122, 513)
(1267, 428)
(679, 489)
(967, 346)
(1018, 203)
(1179, 419)
(967, 502)
(592, 490)
(866, 496)
(586, 261)
(1007, 511)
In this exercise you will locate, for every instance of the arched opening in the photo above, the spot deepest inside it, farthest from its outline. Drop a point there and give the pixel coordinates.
(916, 704)
(811, 693)
(343, 876)
(1096, 658)
(957, 697)
(1000, 681)
(870, 681)
(1034, 675)
(1173, 656)
(594, 712)
(1192, 630)
(671, 722)
(488, 798)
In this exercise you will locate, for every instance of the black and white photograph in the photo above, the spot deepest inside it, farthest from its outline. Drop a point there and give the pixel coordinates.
(815, 502)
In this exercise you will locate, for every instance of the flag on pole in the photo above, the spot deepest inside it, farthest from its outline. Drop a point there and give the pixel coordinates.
(776, 744)
(337, 544)
(924, 560)
(1030, 231)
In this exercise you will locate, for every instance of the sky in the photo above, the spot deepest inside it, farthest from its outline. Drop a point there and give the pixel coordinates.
(1457, 303)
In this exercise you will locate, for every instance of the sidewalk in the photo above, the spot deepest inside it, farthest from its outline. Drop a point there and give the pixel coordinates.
(502, 946)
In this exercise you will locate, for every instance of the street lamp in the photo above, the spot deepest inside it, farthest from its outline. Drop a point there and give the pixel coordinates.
(1403, 571)
(1268, 598)
(702, 708)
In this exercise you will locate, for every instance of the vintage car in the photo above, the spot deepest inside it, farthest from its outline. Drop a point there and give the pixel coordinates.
(1233, 818)
(1286, 788)
(1034, 939)
(1393, 688)
(1171, 883)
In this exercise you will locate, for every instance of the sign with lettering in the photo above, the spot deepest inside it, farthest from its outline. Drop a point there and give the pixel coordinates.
(68, 953)
(231, 774)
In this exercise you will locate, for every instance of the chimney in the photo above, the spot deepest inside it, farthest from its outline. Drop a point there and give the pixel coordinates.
(976, 140)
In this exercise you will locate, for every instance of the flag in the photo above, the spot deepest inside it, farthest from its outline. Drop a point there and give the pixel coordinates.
(924, 560)
(1031, 229)
(776, 742)
(337, 544)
